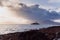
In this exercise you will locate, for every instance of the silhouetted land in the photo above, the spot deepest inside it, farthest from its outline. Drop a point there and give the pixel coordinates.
(41, 34)
(35, 23)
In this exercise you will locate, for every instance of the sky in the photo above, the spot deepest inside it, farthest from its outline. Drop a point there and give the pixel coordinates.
(51, 3)
(29, 11)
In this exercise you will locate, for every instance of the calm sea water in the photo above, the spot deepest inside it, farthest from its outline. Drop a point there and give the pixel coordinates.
(11, 28)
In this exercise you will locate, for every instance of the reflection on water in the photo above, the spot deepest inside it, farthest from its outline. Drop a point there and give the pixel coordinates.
(5, 28)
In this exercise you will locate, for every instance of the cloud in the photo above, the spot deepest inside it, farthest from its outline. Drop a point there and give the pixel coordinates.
(54, 1)
(29, 13)
(34, 13)
(9, 2)
(47, 7)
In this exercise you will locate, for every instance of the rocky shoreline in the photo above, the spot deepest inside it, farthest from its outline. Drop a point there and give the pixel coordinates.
(50, 33)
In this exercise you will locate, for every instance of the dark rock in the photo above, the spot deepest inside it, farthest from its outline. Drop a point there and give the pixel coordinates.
(29, 35)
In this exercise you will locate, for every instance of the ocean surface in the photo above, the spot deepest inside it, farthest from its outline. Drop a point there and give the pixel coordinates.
(11, 28)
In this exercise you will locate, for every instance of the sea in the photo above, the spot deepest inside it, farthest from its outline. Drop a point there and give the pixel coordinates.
(12, 28)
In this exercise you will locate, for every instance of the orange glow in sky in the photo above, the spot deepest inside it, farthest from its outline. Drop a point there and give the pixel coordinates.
(7, 16)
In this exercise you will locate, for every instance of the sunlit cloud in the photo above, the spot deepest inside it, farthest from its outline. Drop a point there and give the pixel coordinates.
(13, 12)
(8, 13)
(8, 16)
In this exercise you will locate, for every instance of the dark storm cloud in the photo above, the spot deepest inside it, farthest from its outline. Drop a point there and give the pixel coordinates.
(35, 13)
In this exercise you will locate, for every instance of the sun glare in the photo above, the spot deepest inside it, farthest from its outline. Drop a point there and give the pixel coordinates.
(4, 12)
(7, 16)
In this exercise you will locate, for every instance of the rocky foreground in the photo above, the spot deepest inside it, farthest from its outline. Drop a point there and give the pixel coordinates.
(51, 33)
